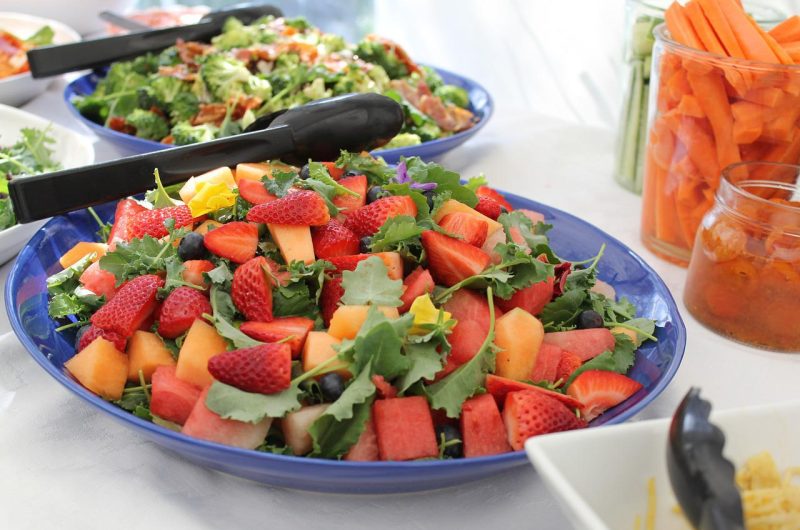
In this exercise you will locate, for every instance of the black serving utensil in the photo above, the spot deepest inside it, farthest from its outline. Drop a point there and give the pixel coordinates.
(318, 131)
(701, 477)
(123, 22)
(47, 61)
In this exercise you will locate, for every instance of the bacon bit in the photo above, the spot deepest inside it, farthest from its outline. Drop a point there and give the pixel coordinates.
(168, 140)
(400, 53)
(210, 113)
(244, 104)
(191, 49)
(119, 124)
(448, 117)
(179, 71)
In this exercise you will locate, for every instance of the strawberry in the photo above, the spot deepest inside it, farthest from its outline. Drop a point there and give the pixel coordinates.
(124, 214)
(131, 306)
(251, 290)
(180, 309)
(384, 388)
(491, 193)
(599, 390)
(349, 203)
(416, 284)
(302, 208)
(193, 272)
(264, 369)
(335, 172)
(99, 281)
(489, 207)
(236, 241)
(451, 260)
(329, 298)
(530, 413)
(472, 230)
(295, 329)
(151, 222)
(333, 239)
(254, 192)
(500, 387)
(368, 219)
(569, 363)
(92, 332)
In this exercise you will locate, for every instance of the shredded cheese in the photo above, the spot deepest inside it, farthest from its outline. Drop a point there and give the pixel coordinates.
(770, 501)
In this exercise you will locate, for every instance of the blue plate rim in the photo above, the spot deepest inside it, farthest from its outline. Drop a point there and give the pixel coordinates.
(486, 111)
(505, 458)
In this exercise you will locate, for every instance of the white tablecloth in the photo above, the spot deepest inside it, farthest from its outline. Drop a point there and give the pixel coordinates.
(64, 465)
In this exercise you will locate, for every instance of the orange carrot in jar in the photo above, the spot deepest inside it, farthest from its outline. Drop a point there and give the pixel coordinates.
(748, 121)
(768, 96)
(667, 228)
(680, 28)
(700, 147)
(687, 198)
(689, 106)
(776, 48)
(662, 146)
(710, 92)
(752, 43)
(787, 31)
(712, 44)
(716, 18)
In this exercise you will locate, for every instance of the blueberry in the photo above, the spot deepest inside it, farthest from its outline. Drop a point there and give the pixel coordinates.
(429, 195)
(332, 386)
(374, 193)
(365, 244)
(450, 433)
(192, 247)
(590, 319)
(304, 174)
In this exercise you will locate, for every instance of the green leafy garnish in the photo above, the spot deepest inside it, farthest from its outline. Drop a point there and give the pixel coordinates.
(223, 313)
(369, 283)
(142, 256)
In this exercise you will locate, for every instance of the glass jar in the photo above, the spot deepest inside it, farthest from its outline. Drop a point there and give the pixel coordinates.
(744, 277)
(707, 112)
(641, 17)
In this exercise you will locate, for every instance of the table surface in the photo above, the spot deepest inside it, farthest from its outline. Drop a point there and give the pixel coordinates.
(552, 139)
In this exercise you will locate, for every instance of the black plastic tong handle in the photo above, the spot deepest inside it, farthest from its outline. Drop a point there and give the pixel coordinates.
(47, 61)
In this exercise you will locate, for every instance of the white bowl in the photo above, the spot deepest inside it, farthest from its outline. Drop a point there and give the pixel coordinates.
(17, 89)
(70, 150)
(599, 476)
(81, 14)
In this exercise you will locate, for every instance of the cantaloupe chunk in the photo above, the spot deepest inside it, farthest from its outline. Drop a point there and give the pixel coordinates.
(101, 368)
(295, 427)
(206, 424)
(76, 253)
(146, 352)
(205, 226)
(318, 349)
(201, 343)
(519, 335)
(348, 319)
(221, 174)
(394, 264)
(635, 337)
(294, 242)
(452, 206)
(252, 171)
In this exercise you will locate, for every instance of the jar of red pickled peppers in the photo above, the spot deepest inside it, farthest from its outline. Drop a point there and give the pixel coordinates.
(744, 275)
(708, 111)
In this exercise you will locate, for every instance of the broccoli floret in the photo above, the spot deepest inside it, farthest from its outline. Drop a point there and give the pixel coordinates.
(427, 131)
(120, 78)
(403, 140)
(184, 133)
(316, 90)
(332, 43)
(93, 108)
(149, 125)
(374, 52)
(145, 64)
(236, 35)
(259, 87)
(224, 77)
(431, 77)
(298, 23)
(166, 88)
(169, 57)
(183, 106)
(453, 94)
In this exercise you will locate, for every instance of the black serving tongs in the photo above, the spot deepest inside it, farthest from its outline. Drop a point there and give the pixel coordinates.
(318, 130)
(47, 61)
(701, 477)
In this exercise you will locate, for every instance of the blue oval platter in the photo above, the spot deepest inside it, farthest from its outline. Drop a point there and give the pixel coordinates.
(572, 238)
(479, 99)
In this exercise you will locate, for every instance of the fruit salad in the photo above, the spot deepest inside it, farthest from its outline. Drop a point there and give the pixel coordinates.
(344, 310)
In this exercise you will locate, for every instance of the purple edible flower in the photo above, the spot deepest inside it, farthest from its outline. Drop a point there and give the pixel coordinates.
(403, 178)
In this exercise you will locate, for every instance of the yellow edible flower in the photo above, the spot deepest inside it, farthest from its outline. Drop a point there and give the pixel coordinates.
(210, 198)
(425, 313)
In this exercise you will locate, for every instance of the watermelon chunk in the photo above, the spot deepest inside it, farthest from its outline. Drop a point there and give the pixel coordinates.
(469, 305)
(585, 343)
(532, 298)
(416, 284)
(206, 424)
(546, 367)
(482, 428)
(404, 428)
(500, 387)
(366, 448)
(171, 398)
(350, 203)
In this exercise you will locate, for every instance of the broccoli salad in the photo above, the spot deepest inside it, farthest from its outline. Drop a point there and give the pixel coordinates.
(194, 92)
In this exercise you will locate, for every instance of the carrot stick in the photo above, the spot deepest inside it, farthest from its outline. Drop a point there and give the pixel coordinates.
(712, 44)
(776, 48)
(680, 28)
(749, 39)
(787, 31)
(768, 96)
(667, 228)
(748, 121)
(662, 144)
(700, 148)
(710, 92)
(687, 198)
(649, 193)
(722, 28)
(689, 106)
(793, 49)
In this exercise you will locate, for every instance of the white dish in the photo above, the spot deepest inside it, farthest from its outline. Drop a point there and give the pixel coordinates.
(17, 89)
(599, 476)
(70, 150)
(80, 15)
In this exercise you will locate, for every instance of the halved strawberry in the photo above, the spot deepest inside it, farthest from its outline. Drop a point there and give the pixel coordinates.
(350, 203)
(335, 172)
(451, 260)
(332, 293)
(92, 332)
(302, 208)
(179, 311)
(500, 387)
(151, 222)
(193, 272)
(472, 230)
(416, 284)
(124, 214)
(236, 241)
(368, 219)
(486, 191)
(251, 290)
(530, 413)
(264, 369)
(100, 281)
(132, 305)
(333, 239)
(254, 192)
(599, 390)
(489, 207)
(295, 329)
(569, 363)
